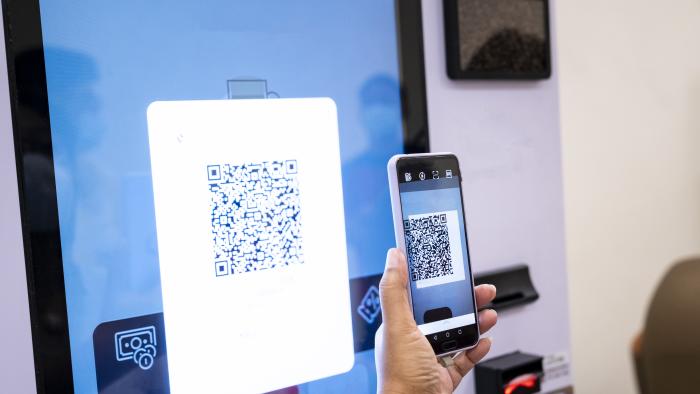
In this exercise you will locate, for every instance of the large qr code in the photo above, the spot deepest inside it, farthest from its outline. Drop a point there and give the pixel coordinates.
(428, 246)
(255, 216)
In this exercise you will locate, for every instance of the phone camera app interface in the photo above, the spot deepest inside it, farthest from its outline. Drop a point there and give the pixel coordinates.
(436, 248)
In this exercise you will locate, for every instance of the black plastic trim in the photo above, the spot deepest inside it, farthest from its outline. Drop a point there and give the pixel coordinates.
(409, 17)
(42, 244)
(514, 286)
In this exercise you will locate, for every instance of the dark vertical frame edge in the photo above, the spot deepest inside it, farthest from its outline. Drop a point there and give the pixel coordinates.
(452, 52)
(409, 26)
(451, 21)
(50, 340)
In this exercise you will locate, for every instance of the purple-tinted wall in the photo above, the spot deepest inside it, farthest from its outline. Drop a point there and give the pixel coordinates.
(506, 135)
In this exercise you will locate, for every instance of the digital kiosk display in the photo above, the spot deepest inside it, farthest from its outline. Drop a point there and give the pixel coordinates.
(221, 188)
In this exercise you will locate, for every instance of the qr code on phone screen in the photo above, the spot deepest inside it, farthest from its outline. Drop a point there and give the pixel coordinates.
(255, 216)
(428, 246)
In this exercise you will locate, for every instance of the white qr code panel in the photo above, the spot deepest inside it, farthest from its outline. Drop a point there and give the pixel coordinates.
(255, 216)
(250, 224)
(434, 248)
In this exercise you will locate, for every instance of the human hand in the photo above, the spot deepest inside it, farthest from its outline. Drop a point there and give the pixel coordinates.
(405, 360)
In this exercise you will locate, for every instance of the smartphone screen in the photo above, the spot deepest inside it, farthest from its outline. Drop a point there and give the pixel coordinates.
(437, 250)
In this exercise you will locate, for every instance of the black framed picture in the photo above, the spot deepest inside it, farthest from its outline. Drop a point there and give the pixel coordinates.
(497, 39)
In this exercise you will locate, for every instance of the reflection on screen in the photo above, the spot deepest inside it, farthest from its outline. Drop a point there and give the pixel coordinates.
(106, 61)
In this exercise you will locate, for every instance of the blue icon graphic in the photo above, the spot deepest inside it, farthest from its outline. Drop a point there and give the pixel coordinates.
(291, 166)
(138, 344)
(369, 307)
(221, 268)
(214, 172)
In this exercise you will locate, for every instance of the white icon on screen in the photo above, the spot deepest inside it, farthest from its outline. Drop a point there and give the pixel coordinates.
(421, 175)
(370, 307)
(436, 174)
(407, 176)
(448, 174)
(138, 344)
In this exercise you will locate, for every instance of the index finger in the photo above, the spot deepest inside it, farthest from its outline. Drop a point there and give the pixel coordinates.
(484, 295)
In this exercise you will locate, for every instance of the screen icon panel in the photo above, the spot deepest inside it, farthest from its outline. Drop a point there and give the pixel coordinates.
(138, 344)
(131, 353)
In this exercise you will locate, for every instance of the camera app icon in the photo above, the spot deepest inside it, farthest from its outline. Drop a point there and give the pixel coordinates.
(138, 344)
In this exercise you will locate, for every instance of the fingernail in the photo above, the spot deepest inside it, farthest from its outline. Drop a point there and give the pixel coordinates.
(390, 257)
(494, 288)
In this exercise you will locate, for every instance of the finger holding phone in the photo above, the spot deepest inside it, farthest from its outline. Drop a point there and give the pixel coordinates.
(406, 363)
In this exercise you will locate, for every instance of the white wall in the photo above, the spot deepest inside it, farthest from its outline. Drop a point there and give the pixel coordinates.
(630, 105)
(506, 135)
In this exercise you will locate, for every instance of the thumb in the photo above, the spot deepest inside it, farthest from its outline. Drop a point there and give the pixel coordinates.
(393, 292)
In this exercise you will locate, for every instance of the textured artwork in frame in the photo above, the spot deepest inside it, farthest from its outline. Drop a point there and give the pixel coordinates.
(497, 39)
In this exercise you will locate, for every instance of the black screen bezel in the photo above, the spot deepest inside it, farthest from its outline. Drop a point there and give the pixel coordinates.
(32, 136)
(427, 164)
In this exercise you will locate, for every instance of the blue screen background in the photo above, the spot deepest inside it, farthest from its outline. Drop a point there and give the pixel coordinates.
(106, 61)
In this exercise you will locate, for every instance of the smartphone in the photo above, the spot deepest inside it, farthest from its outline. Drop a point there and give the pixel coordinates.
(429, 225)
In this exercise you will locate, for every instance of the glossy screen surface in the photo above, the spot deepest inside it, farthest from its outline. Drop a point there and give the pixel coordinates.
(107, 61)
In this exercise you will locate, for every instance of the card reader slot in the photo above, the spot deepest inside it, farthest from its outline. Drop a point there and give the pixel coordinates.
(514, 286)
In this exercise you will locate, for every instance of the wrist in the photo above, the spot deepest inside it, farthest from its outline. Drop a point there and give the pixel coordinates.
(391, 386)
(391, 389)
(395, 386)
